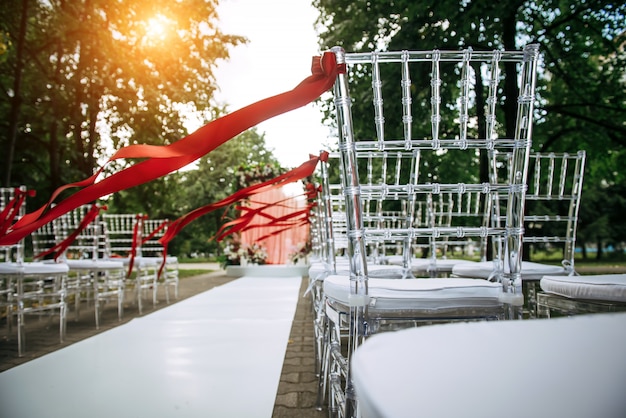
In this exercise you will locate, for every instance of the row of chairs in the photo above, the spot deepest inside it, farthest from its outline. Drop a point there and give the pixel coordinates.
(86, 256)
(394, 190)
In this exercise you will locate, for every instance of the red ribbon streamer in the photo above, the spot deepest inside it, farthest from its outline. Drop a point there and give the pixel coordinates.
(162, 160)
(12, 209)
(298, 173)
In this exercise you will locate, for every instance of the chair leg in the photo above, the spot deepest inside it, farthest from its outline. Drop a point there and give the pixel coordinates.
(62, 321)
(97, 309)
(138, 294)
(155, 288)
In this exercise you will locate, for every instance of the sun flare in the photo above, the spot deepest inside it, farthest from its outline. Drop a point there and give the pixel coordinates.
(157, 28)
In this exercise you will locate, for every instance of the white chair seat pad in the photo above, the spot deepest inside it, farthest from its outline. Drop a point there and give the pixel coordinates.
(318, 268)
(418, 293)
(607, 287)
(94, 264)
(530, 270)
(36, 267)
(443, 370)
(373, 270)
(170, 259)
(441, 264)
(138, 261)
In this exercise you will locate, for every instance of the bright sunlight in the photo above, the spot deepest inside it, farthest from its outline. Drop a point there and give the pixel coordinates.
(157, 29)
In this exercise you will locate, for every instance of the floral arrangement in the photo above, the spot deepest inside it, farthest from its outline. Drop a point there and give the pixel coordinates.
(249, 175)
(301, 253)
(256, 254)
(237, 254)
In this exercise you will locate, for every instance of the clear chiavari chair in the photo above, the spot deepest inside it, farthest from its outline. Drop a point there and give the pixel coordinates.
(553, 197)
(123, 234)
(29, 288)
(101, 279)
(462, 125)
(151, 248)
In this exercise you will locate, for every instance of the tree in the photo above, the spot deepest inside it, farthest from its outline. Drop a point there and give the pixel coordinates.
(582, 82)
(83, 77)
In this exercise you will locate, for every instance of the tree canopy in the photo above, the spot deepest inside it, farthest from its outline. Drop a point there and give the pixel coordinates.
(81, 78)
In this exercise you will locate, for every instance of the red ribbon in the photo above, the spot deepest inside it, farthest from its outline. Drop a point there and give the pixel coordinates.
(158, 229)
(12, 209)
(244, 221)
(298, 173)
(162, 160)
(162, 225)
(134, 243)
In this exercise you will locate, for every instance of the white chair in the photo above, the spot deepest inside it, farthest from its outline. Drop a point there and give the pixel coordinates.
(44, 240)
(550, 220)
(358, 305)
(29, 287)
(83, 254)
(122, 241)
(336, 236)
(151, 248)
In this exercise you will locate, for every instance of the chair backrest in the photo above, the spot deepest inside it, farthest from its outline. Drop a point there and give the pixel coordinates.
(553, 198)
(44, 238)
(461, 209)
(153, 229)
(13, 200)
(123, 232)
(89, 241)
(456, 94)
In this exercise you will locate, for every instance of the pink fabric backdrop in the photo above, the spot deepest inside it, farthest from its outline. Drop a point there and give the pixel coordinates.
(280, 246)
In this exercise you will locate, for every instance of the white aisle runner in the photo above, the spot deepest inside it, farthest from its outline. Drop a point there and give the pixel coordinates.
(217, 354)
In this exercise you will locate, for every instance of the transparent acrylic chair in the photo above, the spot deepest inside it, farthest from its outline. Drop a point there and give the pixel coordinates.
(123, 235)
(336, 236)
(363, 305)
(151, 248)
(100, 279)
(29, 288)
(553, 197)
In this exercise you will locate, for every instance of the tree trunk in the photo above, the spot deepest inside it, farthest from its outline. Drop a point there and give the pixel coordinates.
(16, 102)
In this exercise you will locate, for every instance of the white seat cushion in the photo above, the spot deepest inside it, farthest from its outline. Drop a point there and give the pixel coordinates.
(94, 264)
(445, 370)
(373, 270)
(432, 293)
(36, 267)
(442, 265)
(423, 264)
(320, 268)
(530, 270)
(607, 287)
(138, 261)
